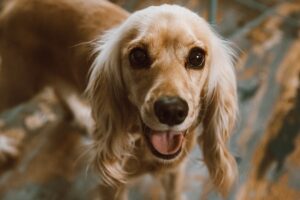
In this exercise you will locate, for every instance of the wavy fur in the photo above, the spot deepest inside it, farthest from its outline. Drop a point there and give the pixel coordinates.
(121, 97)
(109, 99)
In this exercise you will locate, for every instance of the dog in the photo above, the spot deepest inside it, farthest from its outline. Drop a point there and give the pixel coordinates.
(153, 80)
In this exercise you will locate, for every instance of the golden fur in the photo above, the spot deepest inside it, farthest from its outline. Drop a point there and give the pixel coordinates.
(47, 42)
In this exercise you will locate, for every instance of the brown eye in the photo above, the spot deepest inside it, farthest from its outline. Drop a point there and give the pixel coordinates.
(139, 58)
(196, 58)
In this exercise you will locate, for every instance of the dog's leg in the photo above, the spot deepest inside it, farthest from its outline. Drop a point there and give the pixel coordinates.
(172, 183)
(109, 193)
(74, 103)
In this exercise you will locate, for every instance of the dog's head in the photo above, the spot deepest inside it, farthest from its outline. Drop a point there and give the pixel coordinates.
(166, 69)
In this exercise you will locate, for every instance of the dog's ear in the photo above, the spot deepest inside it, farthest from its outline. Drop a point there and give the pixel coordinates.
(220, 117)
(110, 110)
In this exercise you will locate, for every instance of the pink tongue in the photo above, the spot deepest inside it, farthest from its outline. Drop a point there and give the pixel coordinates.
(166, 142)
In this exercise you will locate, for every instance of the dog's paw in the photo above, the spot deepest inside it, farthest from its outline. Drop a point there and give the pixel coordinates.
(8, 149)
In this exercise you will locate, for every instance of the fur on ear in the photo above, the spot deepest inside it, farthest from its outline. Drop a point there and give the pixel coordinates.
(220, 117)
(110, 110)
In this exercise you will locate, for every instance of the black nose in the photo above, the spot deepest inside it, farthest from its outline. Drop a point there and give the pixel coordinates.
(171, 110)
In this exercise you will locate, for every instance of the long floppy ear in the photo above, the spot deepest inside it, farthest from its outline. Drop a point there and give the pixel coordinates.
(110, 110)
(220, 117)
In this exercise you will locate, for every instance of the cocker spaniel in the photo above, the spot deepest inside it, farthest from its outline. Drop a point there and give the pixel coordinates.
(156, 76)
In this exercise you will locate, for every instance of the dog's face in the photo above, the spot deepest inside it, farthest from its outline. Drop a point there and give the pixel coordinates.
(163, 68)
(165, 65)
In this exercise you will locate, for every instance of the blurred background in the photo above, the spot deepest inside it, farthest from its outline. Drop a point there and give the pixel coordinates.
(266, 143)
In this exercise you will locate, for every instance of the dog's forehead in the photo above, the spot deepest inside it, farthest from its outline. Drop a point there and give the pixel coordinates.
(169, 27)
(169, 24)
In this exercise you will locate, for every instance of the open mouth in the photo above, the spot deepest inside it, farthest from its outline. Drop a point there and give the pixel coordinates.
(164, 144)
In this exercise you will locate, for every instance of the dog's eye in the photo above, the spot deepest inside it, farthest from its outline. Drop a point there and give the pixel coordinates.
(196, 58)
(138, 58)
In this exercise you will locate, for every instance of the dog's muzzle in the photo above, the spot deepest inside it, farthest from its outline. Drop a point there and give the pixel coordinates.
(171, 110)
